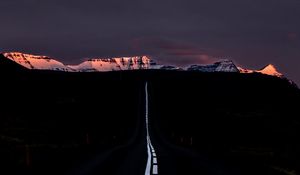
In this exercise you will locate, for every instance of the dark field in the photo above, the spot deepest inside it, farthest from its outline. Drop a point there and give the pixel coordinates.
(201, 123)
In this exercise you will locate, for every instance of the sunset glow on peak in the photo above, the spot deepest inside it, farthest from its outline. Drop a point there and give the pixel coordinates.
(270, 70)
(36, 62)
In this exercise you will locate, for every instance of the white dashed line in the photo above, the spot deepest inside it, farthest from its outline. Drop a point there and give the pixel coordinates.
(155, 169)
(154, 160)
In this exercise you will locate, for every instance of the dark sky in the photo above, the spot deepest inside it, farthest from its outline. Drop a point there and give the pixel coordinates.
(251, 32)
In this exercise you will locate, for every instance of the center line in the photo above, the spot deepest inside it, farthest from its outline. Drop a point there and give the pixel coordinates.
(150, 148)
(154, 160)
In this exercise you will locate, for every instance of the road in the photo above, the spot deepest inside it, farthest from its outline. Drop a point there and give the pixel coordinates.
(152, 163)
(138, 156)
(147, 153)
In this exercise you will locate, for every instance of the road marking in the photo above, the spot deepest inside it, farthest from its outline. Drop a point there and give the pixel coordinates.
(148, 167)
(155, 169)
(150, 148)
(155, 160)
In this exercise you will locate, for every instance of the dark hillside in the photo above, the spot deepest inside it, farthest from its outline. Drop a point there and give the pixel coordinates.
(250, 121)
(46, 117)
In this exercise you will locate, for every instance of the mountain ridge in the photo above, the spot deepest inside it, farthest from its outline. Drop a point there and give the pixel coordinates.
(30, 61)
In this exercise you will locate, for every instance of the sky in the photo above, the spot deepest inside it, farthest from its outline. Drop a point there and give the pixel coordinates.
(253, 33)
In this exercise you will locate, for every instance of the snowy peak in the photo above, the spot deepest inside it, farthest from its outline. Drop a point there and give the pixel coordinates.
(267, 70)
(36, 62)
(226, 66)
(270, 70)
(114, 64)
(221, 66)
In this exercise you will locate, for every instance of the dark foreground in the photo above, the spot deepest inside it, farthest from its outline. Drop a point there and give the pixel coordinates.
(94, 123)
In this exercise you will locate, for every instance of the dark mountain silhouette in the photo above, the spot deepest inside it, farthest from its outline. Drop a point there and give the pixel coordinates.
(210, 123)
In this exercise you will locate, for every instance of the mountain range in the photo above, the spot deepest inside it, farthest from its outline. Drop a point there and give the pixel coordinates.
(126, 63)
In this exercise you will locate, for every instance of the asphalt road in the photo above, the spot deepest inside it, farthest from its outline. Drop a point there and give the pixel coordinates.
(148, 153)
(128, 159)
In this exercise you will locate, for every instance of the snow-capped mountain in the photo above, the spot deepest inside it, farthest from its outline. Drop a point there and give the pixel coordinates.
(36, 62)
(92, 65)
(114, 64)
(270, 69)
(126, 63)
(221, 66)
